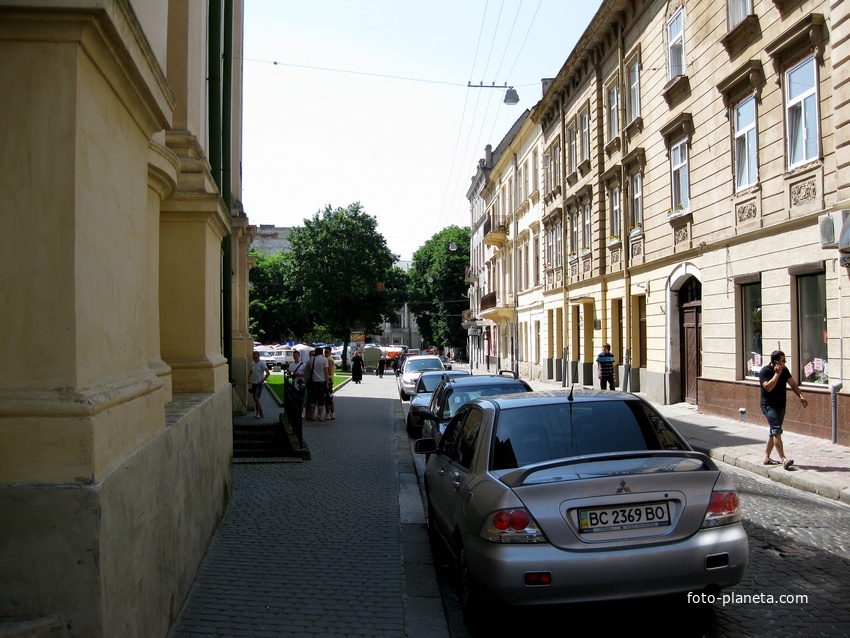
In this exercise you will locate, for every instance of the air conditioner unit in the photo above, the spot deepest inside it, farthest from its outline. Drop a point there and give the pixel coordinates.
(830, 226)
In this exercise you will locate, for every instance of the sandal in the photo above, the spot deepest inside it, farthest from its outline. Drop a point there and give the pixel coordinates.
(788, 463)
(770, 462)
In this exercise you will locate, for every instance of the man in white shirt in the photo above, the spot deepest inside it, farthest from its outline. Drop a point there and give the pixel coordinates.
(259, 373)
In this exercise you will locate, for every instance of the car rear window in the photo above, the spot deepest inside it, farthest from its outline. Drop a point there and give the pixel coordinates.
(538, 433)
(460, 396)
(423, 364)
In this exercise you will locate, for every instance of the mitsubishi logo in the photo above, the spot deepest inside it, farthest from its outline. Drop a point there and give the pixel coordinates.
(623, 487)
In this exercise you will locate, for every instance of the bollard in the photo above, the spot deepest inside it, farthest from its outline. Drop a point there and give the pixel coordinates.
(743, 413)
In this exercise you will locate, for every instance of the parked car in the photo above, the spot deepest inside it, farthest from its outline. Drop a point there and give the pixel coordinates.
(413, 367)
(446, 363)
(422, 393)
(283, 358)
(452, 393)
(584, 497)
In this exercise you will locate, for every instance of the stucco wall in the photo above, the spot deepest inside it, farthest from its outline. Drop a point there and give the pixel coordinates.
(117, 558)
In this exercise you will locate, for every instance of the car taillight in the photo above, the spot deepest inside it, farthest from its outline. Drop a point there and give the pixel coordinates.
(723, 509)
(511, 526)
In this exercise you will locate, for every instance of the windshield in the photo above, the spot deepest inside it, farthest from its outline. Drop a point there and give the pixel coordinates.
(428, 383)
(538, 433)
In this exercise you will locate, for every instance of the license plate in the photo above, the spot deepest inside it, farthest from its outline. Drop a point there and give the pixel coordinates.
(612, 519)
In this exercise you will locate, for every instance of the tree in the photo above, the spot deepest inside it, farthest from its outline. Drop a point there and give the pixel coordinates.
(343, 271)
(274, 314)
(437, 287)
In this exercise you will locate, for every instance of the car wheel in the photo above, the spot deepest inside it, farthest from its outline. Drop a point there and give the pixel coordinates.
(470, 601)
(411, 431)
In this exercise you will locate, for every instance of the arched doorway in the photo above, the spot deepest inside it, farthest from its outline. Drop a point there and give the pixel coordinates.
(690, 321)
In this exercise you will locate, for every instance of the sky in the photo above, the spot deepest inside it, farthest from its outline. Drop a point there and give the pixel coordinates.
(368, 101)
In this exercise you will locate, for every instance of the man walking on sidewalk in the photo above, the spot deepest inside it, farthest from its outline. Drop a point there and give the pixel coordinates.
(772, 379)
(605, 360)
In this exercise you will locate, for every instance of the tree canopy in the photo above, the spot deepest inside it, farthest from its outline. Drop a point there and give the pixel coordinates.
(438, 289)
(338, 276)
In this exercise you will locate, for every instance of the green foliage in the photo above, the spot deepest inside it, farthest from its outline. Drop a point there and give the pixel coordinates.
(339, 276)
(437, 287)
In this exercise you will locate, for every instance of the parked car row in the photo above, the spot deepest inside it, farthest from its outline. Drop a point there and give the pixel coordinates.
(568, 496)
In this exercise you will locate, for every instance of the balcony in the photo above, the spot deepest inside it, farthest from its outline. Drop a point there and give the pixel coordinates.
(495, 233)
(470, 275)
(496, 306)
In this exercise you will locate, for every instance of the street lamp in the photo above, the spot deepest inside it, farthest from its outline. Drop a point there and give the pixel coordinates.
(511, 96)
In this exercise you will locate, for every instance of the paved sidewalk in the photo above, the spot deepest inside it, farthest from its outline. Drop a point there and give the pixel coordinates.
(333, 546)
(819, 466)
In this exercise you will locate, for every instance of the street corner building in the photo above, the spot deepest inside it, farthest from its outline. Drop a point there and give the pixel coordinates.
(681, 191)
(124, 300)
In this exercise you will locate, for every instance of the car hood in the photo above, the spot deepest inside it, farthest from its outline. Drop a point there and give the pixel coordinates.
(556, 493)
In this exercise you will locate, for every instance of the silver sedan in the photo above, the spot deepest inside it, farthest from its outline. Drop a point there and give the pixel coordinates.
(551, 498)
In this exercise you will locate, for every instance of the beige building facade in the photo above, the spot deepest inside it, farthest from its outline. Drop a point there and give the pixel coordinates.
(125, 335)
(694, 186)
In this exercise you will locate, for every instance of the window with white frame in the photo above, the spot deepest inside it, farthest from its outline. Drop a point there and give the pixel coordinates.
(676, 44)
(634, 91)
(615, 213)
(585, 136)
(535, 167)
(556, 163)
(586, 222)
(613, 112)
(679, 176)
(574, 247)
(549, 260)
(573, 149)
(746, 171)
(738, 10)
(751, 328)
(801, 101)
(559, 244)
(637, 199)
(536, 245)
(812, 328)
(525, 191)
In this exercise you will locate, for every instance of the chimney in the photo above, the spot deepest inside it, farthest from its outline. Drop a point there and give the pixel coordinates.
(488, 156)
(547, 82)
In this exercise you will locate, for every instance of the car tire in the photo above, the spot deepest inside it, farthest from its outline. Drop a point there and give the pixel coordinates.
(470, 598)
(411, 429)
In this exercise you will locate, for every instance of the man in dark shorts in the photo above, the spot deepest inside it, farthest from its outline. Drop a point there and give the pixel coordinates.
(772, 379)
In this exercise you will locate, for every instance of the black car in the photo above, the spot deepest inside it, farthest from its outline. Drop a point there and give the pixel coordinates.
(453, 392)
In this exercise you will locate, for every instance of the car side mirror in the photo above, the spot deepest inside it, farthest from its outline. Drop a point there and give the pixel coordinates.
(425, 446)
(427, 414)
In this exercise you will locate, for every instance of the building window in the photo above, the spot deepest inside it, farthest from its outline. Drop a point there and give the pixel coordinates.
(613, 113)
(679, 176)
(573, 142)
(634, 91)
(586, 227)
(574, 247)
(559, 243)
(751, 329)
(637, 199)
(746, 172)
(812, 328)
(536, 241)
(615, 213)
(738, 10)
(676, 44)
(525, 191)
(802, 112)
(535, 185)
(585, 136)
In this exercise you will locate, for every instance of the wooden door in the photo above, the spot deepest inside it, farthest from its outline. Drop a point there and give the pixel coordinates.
(691, 349)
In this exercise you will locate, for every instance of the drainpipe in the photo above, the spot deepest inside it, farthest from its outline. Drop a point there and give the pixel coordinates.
(226, 182)
(833, 390)
(625, 189)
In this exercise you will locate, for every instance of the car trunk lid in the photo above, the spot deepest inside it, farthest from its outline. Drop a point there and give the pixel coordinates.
(623, 499)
